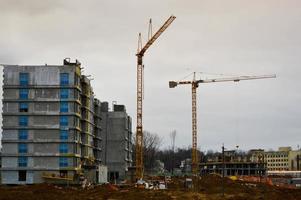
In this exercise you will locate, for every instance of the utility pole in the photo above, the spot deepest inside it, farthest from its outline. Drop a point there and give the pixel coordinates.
(223, 173)
(173, 139)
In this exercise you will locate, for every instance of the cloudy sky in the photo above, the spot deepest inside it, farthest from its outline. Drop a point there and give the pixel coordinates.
(233, 37)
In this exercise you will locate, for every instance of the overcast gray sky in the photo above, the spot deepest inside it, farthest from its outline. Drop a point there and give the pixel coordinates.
(238, 37)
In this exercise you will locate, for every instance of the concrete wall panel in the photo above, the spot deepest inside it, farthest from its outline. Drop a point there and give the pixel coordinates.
(47, 94)
(47, 107)
(10, 134)
(11, 148)
(10, 120)
(10, 107)
(46, 162)
(46, 148)
(51, 121)
(46, 134)
(10, 94)
(46, 76)
(9, 162)
(10, 177)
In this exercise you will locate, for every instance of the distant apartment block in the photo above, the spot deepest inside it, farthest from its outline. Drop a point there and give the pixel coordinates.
(117, 141)
(51, 125)
(285, 159)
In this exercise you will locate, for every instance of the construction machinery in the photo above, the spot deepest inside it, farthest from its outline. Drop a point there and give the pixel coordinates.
(194, 85)
(140, 67)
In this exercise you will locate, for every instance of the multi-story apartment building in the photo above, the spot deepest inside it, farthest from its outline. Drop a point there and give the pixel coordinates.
(117, 141)
(278, 160)
(49, 130)
(285, 159)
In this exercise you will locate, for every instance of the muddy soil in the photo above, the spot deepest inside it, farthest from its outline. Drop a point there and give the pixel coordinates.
(208, 188)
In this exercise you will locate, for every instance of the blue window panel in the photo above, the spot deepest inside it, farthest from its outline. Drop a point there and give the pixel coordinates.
(64, 120)
(63, 134)
(63, 162)
(22, 161)
(22, 148)
(23, 120)
(64, 78)
(23, 134)
(64, 106)
(23, 107)
(23, 78)
(63, 148)
(64, 93)
(23, 93)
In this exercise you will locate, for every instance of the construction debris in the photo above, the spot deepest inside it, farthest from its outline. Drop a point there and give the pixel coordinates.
(151, 184)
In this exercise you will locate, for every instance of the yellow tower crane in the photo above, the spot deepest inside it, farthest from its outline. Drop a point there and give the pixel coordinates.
(194, 85)
(140, 67)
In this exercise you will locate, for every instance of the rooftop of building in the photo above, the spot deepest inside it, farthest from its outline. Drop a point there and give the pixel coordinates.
(66, 62)
(116, 107)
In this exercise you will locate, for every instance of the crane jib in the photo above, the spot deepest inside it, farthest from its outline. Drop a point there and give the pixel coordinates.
(157, 34)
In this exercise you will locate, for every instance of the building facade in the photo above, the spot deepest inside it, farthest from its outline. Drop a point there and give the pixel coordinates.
(97, 131)
(294, 158)
(117, 141)
(285, 159)
(50, 129)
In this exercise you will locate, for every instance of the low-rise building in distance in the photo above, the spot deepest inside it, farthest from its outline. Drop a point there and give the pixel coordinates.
(285, 159)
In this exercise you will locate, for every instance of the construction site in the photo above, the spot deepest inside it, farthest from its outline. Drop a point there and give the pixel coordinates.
(209, 188)
(64, 138)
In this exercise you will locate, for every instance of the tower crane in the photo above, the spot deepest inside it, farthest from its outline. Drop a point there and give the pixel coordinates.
(140, 67)
(194, 85)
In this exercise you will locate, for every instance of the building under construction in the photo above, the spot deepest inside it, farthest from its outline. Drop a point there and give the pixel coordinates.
(51, 125)
(117, 141)
(233, 164)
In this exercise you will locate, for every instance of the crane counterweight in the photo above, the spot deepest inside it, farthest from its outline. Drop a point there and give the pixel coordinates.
(172, 84)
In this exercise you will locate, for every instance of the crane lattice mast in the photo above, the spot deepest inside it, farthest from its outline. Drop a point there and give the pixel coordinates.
(140, 67)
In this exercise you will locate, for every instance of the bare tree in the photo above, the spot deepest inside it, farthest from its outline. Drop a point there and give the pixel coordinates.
(151, 145)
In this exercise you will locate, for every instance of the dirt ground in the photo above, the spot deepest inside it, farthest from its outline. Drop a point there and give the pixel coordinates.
(209, 188)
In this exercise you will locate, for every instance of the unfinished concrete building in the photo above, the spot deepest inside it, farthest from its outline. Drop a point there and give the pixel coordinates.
(251, 164)
(233, 168)
(50, 129)
(117, 141)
